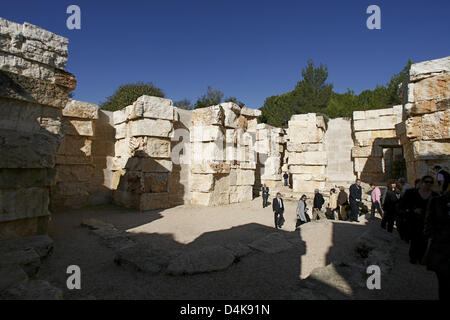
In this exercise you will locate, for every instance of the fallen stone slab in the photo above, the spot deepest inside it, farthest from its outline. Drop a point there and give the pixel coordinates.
(33, 290)
(110, 236)
(208, 259)
(142, 258)
(27, 259)
(95, 224)
(272, 243)
(11, 276)
(42, 245)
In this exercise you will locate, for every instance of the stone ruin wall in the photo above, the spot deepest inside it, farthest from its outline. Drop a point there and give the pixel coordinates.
(425, 131)
(376, 143)
(61, 153)
(34, 89)
(307, 157)
(142, 164)
(223, 158)
(272, 157)
(83, 159)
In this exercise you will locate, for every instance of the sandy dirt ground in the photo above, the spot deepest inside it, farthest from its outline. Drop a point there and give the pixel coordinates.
(257, 276)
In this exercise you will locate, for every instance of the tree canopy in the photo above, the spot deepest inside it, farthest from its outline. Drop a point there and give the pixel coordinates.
(314, 94)
(126, 94)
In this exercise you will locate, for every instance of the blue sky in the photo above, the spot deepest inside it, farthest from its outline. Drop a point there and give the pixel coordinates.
(250, 49)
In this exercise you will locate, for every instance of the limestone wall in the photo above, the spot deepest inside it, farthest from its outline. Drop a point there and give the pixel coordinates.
(82, 174)
(307, 157)
(34, 88)
(425, 132)
(338, 145)
(223, 159)
(142, 164)
(271, 151)
(376, 143)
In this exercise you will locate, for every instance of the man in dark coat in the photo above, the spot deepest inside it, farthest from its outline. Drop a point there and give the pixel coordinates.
(317, 206)
(278, 210)
(286, 179)
(265, 195)
(355, 199)
(437, 228)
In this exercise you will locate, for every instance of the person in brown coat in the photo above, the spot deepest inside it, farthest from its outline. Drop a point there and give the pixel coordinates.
(342, 202)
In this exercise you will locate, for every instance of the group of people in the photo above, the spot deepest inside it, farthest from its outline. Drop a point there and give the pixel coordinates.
(420, 215)
(422, 218)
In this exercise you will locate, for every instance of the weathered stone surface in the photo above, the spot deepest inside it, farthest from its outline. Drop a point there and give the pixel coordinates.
(366, 152)
(41, 244)
(207, 259)
(75, 127)
(75, 146)
(150, 127)
(204, 151)
(26, 150)
(11, 276)
(429, 150)
(380, 123)
(157, 148)
(308, 158)
(152, 201)
(156, 182)
(245, 177)
(13, 205)
(206, 134)
(149, 165)
(301, 185)
(429, 68)
(202, 182)
(231, 111)
(241, 194)
(80, 109)
(437, 87)
(436, 126)
(27, 259)
(33, 290)
(34, 43)
(142, 258)
(272, 243)
(426, 106)
(19, 87)
(208, 116)
(25, 178)
(251, 113)
(153, 107)
(367, 138)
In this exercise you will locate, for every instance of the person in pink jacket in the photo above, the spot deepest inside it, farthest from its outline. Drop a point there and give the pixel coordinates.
(376, 200)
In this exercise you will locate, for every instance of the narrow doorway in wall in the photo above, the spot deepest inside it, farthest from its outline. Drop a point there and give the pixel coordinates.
(394, 164)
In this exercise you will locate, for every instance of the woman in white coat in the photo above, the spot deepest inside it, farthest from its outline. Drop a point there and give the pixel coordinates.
(302, 215)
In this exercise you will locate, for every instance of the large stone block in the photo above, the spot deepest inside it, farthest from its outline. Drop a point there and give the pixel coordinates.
(437, 87)
(380, 123)
(314, 170)
(153, 107)
(300, 185)
(436, 126)
(208, 116)
(157, 148)
(26, 178)
(74, 127)
(241, 194)
(231, 111)
(156, 182)
(212, 167)
(75, 146)
(429, 68)
(207, 151)
(29, 117)
(207, 134)
(27, 150)
(368, 138)
(368, 151)
(150, 127)
(308, 158)
(23, 203)
(368, 164)
(202, 182)
(426, 106)
(79, 109)
(245, 177)
(250, 113)
(431, 150)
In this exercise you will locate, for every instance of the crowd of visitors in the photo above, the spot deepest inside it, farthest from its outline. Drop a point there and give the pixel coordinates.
(420, 215)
